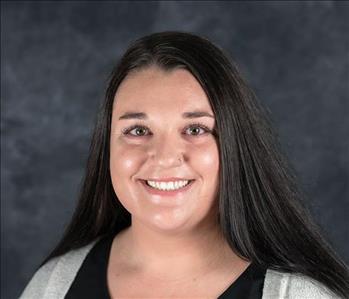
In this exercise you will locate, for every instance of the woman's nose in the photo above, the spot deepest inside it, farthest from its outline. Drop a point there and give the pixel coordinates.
(167, 151)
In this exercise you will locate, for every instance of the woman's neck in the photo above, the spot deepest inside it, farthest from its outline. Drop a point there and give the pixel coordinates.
(173, 256)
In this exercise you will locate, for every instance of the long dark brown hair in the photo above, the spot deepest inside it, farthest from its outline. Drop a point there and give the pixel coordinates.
(261, 206)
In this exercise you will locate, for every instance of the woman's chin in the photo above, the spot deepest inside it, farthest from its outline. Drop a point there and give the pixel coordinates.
(169, 223)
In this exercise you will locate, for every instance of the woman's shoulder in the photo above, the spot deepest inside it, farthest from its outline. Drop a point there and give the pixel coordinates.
(279, 284)
(53, 279)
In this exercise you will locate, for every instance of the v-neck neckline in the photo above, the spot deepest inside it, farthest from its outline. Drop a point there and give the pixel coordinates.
(91, 279)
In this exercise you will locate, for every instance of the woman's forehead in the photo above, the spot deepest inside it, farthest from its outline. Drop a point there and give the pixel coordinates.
(153, 88)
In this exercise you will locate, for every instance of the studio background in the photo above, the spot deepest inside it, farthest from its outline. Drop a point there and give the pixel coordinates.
(56, 58)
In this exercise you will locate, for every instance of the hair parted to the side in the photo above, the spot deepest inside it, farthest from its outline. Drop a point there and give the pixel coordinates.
(261, 213)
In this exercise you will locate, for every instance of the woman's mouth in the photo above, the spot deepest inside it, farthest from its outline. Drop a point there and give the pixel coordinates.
(168, 188)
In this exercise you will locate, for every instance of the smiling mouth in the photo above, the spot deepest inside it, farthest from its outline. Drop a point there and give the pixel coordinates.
(169, 191)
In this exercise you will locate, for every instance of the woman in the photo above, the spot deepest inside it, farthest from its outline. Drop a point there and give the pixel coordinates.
(186, 194)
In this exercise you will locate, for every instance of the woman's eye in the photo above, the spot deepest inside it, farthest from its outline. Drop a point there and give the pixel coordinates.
(195, 129)
(139, 131)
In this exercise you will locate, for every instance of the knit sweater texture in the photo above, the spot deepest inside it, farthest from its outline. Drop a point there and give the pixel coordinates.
(54, 278)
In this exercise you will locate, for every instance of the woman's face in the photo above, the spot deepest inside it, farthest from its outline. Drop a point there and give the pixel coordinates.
(164, 144)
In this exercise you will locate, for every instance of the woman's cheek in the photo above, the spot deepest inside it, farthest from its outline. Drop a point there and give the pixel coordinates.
(209, 159)
(126, 158)
(207, 155)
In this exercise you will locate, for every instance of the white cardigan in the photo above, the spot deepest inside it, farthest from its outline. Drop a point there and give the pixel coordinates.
(53, 280)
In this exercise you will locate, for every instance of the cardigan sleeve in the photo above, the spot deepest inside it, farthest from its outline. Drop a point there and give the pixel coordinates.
(38, 284)
(303, 287)
(280, 285)
(53, 279)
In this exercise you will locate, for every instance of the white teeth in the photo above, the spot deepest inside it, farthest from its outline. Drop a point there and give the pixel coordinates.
(168, 186)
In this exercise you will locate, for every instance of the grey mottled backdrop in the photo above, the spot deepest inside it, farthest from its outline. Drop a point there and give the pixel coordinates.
(55, 61)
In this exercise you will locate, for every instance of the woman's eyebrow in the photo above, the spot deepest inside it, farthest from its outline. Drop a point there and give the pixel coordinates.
(142, 115)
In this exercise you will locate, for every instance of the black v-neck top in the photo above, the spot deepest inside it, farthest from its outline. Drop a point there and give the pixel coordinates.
(91, 279)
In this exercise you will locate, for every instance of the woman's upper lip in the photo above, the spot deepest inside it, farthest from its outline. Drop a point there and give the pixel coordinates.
(167, 179)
